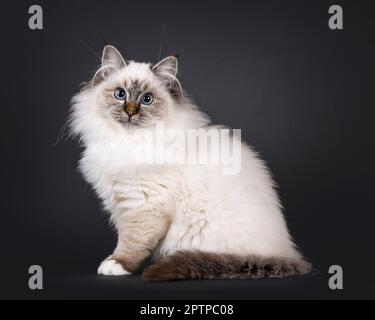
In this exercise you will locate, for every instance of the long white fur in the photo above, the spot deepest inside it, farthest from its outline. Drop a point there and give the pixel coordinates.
(209, 211)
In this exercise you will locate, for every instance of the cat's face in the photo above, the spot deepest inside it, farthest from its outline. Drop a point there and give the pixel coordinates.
(135, 94)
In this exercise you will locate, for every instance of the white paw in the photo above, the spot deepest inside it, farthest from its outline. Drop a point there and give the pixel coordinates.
(111, 267)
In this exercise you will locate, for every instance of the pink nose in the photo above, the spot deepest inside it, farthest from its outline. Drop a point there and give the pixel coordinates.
(131, 108)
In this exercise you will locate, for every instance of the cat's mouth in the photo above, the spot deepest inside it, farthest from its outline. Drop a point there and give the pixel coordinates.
(123, 118)
(127, 121)
(135, 120)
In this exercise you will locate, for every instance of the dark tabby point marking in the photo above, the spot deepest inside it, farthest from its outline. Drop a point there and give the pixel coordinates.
(204, 265)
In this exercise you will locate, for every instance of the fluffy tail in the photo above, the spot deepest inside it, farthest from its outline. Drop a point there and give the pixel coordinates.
(203, 265)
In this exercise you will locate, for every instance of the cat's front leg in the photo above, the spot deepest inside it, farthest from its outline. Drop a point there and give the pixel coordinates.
(111, 267)
(138, 235)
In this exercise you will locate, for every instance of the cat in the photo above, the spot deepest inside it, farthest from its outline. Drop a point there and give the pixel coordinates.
(193, 220)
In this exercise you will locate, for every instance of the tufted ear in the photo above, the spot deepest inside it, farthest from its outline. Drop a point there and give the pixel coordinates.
(112, 57)
(166, 69)
(112, 60)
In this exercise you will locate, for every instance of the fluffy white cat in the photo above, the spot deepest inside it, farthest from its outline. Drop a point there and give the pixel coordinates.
(195, 221)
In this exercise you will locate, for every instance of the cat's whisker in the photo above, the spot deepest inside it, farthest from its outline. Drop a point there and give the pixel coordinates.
(63, 133)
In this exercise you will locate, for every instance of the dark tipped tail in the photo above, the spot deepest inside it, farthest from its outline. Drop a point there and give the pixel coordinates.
(203, 265)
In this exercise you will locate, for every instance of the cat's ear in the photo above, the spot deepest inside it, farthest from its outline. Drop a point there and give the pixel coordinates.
(166, 70)
(111, 57)
(112, 61)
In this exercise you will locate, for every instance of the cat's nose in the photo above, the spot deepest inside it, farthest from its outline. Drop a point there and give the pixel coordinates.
(130, 113)
(131, 108)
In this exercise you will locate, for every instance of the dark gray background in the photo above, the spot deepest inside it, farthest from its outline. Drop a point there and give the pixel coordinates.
(301, 93)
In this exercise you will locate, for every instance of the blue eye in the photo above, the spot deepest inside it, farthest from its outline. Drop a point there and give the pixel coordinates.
(147, 99)
(120, 94)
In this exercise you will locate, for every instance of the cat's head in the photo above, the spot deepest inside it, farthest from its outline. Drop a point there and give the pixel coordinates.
(130, 94)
